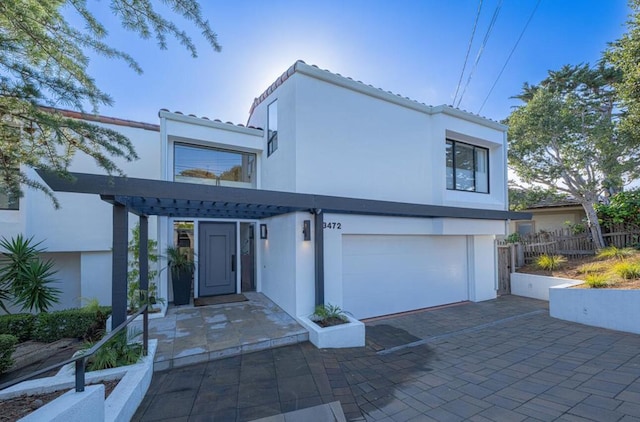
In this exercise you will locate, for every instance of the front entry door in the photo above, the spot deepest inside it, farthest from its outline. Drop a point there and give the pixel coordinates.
(217, 259)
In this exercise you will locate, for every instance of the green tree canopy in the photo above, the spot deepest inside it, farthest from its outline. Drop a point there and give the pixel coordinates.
(43, 61)
(624, 54)
(566, 137)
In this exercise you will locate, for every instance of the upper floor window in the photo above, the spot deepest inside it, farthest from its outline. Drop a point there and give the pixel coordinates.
(467, 167)
(9, 200)
(272, 128)
(196, 164)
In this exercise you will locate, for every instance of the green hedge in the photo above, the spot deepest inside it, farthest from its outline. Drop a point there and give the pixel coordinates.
(70, 323)
(19, 325)
(7, 347)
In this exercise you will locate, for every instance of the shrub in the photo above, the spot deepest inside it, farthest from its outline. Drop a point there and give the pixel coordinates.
(70, 323)
(596, 281)
(7, 347)
(25, 278)
(114, 353)
(627, 270)
(615, 252)
(19, 325)
(550, 262)
(592, 268)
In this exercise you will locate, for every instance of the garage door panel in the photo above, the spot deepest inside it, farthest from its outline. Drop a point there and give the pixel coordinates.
(387, 274)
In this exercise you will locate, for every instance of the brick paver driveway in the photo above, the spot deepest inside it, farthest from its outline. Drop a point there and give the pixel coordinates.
(502, 360)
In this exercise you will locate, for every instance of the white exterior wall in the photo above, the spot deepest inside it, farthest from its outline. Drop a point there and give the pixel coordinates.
(347, 139)
(278, 171)
(278, 263)
(78, 236)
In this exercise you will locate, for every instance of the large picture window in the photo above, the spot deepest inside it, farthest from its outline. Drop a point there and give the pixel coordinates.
(467, 167)
(212, 166)
(272, 128)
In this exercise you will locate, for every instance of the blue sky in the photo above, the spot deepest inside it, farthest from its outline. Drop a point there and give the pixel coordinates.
(412, 48)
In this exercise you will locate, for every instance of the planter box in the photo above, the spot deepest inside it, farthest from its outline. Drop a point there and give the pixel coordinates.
(120, 406)
(607, 308)
(536, 286)
(350, 334)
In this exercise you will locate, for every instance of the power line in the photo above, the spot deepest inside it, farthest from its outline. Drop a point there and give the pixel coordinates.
(466, 57)
(484, 43)
(510, 54)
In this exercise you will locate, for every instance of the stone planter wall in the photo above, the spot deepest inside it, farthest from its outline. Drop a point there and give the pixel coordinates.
(338, 336)
(607, 308)
(536, 286)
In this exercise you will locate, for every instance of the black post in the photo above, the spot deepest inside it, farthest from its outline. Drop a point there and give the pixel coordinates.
(319, 256)
(119, 265)
(80, 375)
(144, 278)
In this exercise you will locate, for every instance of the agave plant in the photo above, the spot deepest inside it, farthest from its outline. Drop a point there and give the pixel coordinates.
(26, 279)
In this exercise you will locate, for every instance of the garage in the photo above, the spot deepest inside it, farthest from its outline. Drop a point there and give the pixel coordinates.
(386, 274)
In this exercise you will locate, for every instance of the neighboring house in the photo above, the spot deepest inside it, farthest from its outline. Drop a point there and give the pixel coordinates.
(353, 196)
(550, 216)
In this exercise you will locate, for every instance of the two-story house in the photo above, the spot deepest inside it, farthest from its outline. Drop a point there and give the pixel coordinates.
(334, 192)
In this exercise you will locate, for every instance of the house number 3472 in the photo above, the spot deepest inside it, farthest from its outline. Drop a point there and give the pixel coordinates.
(337, 226)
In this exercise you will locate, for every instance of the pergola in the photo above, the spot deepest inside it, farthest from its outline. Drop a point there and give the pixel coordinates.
(146, 197)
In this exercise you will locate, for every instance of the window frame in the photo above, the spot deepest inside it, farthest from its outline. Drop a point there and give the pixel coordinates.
(254, 160)
(453, 143)
(272, 141)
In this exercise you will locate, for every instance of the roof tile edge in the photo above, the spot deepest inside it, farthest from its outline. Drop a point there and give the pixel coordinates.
(98, 118)
(314, 70)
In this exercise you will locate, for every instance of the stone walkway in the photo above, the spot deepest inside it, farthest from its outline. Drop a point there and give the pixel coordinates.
(502, 360)
(188, 335)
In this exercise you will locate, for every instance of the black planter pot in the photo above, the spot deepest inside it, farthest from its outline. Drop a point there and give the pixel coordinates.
(181, 281)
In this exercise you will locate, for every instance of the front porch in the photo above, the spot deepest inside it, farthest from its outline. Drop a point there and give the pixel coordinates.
(188, 334)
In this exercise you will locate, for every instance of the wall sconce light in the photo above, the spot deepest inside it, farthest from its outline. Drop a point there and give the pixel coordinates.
(306, 229)
(263, 231)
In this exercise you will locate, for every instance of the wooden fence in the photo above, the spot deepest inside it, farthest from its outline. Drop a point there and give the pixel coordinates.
(571, 245)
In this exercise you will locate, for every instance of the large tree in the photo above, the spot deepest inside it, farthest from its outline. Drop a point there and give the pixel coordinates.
(624, 54)
(43, 62)
(566, 136)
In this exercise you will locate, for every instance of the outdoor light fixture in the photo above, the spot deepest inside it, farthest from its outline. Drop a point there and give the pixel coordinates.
(306, 229)
(263, 231)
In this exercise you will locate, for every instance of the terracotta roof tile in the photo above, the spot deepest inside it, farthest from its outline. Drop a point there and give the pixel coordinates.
(208, 119)
(103, 119)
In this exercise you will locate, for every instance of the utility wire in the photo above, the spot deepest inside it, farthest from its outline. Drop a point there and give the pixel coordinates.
(510, 54)
(466, 57)
(484, 43)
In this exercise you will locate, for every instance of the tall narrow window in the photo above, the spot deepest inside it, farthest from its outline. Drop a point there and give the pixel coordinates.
(467, 167)
(272, 128)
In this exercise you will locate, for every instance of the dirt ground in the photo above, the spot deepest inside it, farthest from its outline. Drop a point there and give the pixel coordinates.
(571, 270)
(19, 407)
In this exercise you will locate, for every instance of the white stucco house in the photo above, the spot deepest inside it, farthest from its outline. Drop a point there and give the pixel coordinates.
(334, 192)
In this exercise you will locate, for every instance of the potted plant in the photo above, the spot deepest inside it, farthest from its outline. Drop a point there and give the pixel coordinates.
(181, 264)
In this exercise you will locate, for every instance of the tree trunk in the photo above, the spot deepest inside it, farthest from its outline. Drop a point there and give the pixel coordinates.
(594, 224)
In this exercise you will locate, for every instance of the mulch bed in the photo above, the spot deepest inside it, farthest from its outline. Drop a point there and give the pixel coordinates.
(19, 407)
(330, 322)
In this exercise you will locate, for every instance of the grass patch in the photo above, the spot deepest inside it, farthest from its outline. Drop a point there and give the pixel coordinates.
(592, 268)
(550, 262)
(615, 252)
(596, 281)
(627, 270)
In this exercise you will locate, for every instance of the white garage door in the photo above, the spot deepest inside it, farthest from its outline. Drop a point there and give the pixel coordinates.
(387, 274)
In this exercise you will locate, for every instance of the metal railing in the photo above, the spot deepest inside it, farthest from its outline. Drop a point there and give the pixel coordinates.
(81, 360)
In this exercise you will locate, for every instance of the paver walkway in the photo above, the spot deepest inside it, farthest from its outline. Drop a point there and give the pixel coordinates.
(502, 360)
